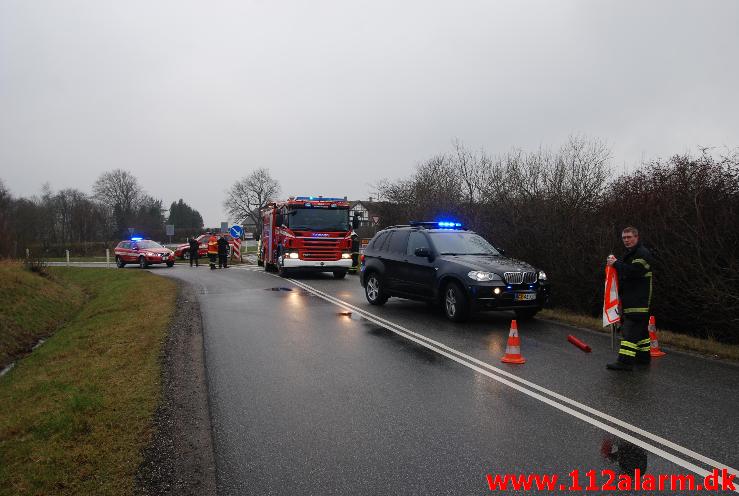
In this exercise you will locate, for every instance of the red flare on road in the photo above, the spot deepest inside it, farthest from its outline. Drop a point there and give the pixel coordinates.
(583, 346)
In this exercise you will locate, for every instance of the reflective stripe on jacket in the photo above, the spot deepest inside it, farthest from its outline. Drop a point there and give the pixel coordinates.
(635, 280)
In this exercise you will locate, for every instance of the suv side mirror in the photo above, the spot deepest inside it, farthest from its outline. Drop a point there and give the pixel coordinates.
(422, 252)
(280, 220)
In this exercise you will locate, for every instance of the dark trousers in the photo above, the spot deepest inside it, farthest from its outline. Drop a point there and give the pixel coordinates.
(195, 258)
(635, 343)
(212, 260)
(223, 260)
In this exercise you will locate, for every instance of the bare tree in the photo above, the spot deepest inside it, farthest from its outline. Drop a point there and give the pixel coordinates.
(121, 193)
(249, 194)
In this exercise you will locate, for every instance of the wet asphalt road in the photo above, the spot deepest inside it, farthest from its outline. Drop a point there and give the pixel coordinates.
(305, 400)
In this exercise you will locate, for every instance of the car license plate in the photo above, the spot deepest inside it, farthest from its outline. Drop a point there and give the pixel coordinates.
(525, 296)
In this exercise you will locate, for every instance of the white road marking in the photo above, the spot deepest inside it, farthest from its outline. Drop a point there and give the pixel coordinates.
(477, 365)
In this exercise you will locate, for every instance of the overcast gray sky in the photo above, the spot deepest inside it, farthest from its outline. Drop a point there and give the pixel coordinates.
(332, 96)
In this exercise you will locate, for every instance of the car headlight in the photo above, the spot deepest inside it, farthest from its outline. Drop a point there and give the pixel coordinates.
(542, 275)
(293, 254)
(346, 255)
(479, 275)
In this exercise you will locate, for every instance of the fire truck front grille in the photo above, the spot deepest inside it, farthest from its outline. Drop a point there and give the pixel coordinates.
(321, 249)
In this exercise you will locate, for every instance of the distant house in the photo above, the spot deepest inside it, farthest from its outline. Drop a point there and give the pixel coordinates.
(368, 219)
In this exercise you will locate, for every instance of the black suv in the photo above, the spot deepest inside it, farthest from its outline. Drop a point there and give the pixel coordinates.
(441, 262)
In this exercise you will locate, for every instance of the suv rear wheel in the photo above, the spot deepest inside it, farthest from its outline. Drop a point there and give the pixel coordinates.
(456, 306)
(143, 263)
(119, 262)
(373, 290)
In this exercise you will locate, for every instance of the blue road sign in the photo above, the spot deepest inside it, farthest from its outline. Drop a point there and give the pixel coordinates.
(236, 231)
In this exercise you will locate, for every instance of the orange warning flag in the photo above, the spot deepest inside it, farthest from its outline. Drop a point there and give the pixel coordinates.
(611, 303)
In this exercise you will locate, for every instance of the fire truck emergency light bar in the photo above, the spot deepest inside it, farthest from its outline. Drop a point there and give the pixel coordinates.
(318, 198)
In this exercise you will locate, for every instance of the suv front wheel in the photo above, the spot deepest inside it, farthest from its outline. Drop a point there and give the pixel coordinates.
(373, 290)
(456, 306)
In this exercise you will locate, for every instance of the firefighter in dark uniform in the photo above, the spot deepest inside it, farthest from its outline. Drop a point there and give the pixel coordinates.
(635, 290)
(355, 251)
(194, 251)
(222, 252)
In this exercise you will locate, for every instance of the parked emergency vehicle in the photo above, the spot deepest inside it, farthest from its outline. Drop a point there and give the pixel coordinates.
(143, 252)
(183, 251)
(306, 233)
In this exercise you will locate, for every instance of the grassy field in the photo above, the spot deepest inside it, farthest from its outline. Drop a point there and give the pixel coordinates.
(77, 411)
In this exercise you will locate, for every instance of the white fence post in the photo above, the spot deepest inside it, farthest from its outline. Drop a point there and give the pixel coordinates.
(67, 257)
(107, 258)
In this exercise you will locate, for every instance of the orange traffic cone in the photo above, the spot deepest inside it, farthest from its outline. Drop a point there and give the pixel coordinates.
(513, 348)
(654, 350)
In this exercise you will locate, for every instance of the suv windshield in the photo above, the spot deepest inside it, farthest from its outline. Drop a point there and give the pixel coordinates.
(148, 245)
(461, 243)
(318, 219)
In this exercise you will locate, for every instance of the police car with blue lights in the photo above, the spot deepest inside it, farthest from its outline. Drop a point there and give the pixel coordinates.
(443, 263)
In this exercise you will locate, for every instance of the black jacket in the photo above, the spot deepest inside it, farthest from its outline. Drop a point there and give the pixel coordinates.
(194, 246)
(635, 281)
(222, 246)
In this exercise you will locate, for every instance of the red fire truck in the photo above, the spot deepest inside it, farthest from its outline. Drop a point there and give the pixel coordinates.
(306, 233)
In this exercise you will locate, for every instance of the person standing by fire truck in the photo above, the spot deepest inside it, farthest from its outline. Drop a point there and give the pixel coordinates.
(212, 250)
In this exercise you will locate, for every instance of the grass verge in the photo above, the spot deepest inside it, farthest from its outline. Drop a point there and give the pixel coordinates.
(78, 410)
(666, 337)
(33, 307)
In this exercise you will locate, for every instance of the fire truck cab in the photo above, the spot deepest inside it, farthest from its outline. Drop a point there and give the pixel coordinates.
(306, 233)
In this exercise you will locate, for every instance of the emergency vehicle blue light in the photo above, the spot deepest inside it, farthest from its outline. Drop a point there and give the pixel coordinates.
(136, 239)
(448, 224)
(318, 198)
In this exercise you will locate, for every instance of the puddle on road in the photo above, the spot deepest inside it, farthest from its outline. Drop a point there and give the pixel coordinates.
(292, 291)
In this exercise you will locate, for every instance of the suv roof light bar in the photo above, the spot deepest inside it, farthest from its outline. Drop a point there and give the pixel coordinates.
(437, 224)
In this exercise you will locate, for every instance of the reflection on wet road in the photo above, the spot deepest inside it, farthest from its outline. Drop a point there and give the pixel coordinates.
(313, 392)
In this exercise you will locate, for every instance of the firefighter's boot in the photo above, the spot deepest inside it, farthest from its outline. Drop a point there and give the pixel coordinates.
(620, 365)
(626, 356)
(643, 355)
